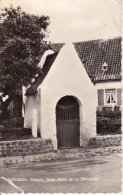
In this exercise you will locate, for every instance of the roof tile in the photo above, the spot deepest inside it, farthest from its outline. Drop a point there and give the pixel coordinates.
(93, 54)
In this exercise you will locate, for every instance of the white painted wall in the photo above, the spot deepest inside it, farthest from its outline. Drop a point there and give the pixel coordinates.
(31, 103)
(108, 85)
(67, 76)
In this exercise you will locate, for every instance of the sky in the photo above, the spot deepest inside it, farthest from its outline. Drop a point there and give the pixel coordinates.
(75, 20)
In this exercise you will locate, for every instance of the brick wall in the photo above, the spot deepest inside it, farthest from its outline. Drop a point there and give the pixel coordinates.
(25, 147)
(105, 141)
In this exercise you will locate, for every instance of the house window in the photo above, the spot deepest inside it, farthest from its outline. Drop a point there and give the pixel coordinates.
(110, 96)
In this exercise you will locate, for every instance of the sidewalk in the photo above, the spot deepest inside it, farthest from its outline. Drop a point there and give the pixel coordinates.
(60, 154)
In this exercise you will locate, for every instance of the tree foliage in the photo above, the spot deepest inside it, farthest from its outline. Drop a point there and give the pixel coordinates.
(21, 45)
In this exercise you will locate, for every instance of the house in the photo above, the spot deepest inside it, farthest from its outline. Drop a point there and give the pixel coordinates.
(102, 61)
(78, 79)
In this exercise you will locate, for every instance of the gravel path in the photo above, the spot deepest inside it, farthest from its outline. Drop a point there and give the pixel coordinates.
(60, 154)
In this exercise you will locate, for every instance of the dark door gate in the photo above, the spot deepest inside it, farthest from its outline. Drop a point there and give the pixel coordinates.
(67, 121)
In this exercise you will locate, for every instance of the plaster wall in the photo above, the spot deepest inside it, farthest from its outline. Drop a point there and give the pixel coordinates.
(67, 76)
(108, 85)
(32, 102)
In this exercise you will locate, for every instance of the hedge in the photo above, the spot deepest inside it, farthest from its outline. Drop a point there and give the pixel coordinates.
(109, 114)
(109, 122)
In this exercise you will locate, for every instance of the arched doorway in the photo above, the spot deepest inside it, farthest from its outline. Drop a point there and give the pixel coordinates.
(67, 122)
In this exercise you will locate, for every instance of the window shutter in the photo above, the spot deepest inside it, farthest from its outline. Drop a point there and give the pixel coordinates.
(100, 97)
(118, 96)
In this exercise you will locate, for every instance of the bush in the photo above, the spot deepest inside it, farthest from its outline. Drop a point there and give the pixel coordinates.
(15, 134)
(5, 116)
(109, 114)
(109, 122)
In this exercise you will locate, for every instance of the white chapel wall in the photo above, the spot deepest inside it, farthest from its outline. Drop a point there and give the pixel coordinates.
(67, 76)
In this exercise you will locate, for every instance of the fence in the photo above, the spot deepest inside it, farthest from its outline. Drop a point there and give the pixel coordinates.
(14, 122)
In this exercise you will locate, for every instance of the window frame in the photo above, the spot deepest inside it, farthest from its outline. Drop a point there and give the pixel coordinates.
(110, 104)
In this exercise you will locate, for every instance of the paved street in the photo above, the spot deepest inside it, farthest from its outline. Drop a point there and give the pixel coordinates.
(98, 174)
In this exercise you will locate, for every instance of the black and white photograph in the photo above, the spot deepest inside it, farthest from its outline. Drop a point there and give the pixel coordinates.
(61, 96)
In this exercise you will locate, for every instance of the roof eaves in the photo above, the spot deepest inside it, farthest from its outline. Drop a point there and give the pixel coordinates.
(32, 90)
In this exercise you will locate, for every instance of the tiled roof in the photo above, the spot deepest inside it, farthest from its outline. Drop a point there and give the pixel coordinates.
(57, 46)
(93, 54)
(46, 67)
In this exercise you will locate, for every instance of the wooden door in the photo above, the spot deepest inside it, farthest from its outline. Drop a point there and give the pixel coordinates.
(67, 122)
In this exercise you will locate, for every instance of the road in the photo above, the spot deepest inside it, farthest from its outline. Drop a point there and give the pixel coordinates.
(99, 174)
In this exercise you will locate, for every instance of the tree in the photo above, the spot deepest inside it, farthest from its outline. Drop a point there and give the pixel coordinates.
(21, 46)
